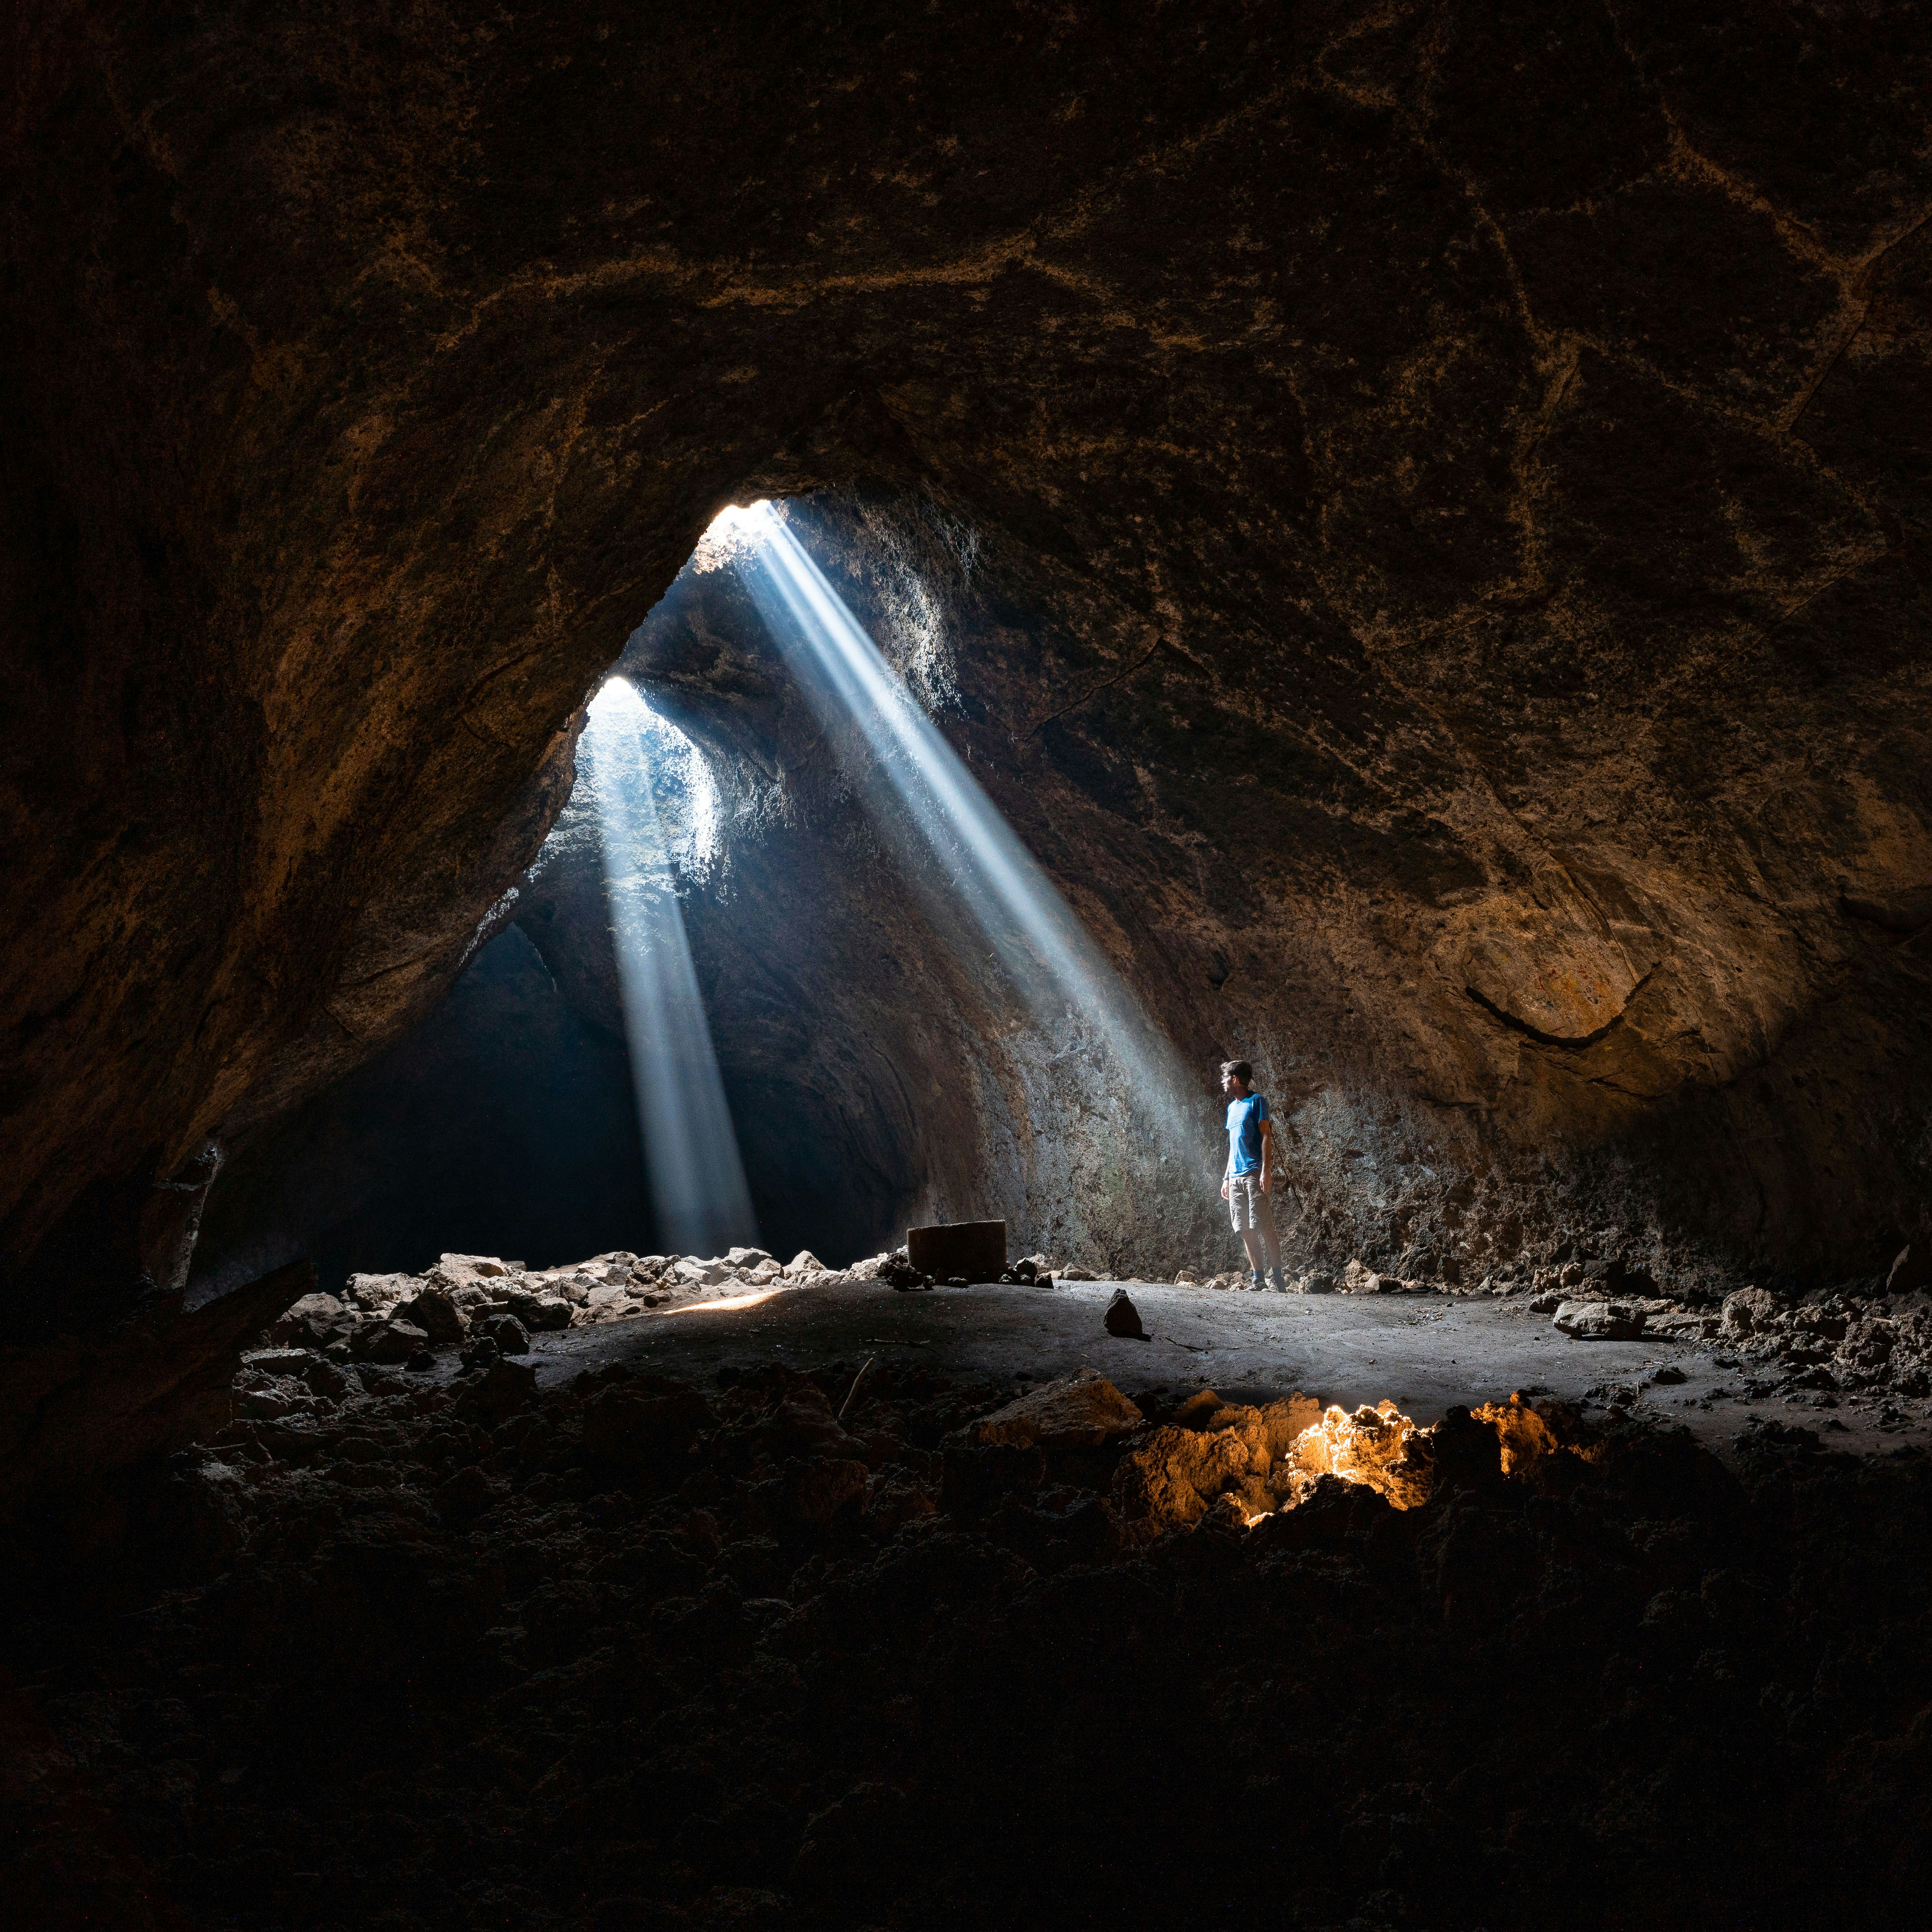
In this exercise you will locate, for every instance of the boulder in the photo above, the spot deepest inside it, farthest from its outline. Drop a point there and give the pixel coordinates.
(1379, 1448)
(1468, 1455)
(1681, 1326)
(436, 1314)
(1599, 1321)
(804, 1262)
(748, 1257)
(1527, 1432)
(1748, 1311)
(1168, 1481)
(453, 1270)
(540, 1314)
(506, 1334)
(377, 1294)
(695, 1273)
(1077, 1273)
(309, 1320)
(1123, 1317)
(1357, 1280)
(1079, 1412)
(388, 1341)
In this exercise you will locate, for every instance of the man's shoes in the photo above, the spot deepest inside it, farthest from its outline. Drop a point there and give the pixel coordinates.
(1279, 1284)
(1257, 1282)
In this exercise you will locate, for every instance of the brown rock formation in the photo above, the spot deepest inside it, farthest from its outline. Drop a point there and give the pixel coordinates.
(1452, 611)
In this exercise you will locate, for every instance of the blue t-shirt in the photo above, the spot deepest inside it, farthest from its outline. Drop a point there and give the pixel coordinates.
(1245, 1116)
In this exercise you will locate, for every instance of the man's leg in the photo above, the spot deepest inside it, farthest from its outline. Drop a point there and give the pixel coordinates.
(1268, 1241)
(1254, 1203)
(1241, 1208)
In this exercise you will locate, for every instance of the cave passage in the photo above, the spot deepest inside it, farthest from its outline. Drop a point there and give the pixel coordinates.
(696, 1176)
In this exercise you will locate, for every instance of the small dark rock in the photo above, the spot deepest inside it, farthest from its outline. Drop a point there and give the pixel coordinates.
(508, 1334)
(1123, 1317)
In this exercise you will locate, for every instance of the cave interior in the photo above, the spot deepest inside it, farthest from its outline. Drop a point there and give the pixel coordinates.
(1392, 543)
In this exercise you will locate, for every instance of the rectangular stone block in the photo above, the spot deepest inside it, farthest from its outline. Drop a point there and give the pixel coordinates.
(976, 1249)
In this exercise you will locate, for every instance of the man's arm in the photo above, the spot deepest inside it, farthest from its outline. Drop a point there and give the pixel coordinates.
(1268, 1154)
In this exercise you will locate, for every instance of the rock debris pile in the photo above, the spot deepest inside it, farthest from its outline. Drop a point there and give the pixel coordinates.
(641, 1652)
(489, 1305)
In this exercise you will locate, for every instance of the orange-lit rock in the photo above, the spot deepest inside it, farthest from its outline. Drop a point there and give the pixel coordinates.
(1379, 1446)
(1529, 1431)
(1079, 1412)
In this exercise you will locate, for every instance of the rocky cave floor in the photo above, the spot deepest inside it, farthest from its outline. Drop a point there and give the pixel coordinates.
(633, 1629)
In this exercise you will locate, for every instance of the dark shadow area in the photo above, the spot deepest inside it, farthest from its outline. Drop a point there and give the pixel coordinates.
(503, 1125)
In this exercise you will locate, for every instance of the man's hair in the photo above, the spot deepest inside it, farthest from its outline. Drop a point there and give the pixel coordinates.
(1239, 1069)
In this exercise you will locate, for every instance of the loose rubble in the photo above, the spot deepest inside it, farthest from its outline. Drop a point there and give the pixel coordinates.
(636, 1651)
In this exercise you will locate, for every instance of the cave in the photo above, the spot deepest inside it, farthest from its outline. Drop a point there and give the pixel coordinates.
(648, 653)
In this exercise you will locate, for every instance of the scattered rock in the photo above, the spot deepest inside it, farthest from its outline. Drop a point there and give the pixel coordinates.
(1076, 1272)
(1668, 1374)
(436, 1314)
(897, 1272)
(1123, 1317)
(389, 1342)
(1379, 1448)
(1081, 1411)
(312, 1320)
(507, 1335)
(1599, 1321)
(1358, 1279)
(1167, 1481)
(539, 1314)
(806, 1262)
(1748, 1310)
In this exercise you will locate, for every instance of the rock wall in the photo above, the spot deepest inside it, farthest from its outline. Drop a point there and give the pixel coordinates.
(1453, 575)
(502, 1124)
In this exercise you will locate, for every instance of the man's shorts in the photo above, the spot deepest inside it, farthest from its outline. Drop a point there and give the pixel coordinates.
(1249, 1207)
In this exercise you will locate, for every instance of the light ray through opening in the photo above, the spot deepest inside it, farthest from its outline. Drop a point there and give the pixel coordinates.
(696, 1176)
(933, 809)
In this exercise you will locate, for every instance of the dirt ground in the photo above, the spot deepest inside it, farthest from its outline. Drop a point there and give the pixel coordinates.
(1425, 1352)
(685, 1632)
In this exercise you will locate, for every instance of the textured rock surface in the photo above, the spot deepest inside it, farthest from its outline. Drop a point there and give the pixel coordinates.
(1451, 579)
(637, 1649)
(1082, 1412)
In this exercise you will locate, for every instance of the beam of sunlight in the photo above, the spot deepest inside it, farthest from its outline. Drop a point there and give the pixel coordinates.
(697, 1180)
(935, 811)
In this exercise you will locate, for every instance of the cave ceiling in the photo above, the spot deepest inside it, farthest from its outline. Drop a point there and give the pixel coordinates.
(1446, 490)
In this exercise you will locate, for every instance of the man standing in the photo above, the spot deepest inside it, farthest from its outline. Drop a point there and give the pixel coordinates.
(1250, 1173)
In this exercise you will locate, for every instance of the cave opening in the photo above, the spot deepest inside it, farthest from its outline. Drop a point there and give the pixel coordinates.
(846, 994)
